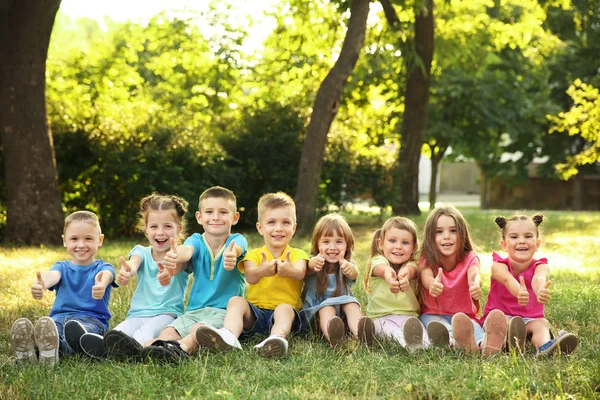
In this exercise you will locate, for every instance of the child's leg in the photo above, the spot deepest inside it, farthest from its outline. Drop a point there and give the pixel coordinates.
(151, 327)
(169, 333)
(539, 329)
(353, 314)
(130, 325)
(239, 316)
(325, 314)
(283, 320)
(391, 326)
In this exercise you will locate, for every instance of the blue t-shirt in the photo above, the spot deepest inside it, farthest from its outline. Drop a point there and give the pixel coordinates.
(150, 297)
(213, 284)
(74, 290)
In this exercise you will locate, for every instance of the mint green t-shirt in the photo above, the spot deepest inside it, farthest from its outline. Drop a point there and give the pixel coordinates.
(382, 302)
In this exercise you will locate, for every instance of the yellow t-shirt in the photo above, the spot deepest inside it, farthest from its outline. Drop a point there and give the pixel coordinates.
(272, 291)
(382, 302)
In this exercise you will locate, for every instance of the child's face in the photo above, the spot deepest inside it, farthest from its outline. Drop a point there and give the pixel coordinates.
(332, 248)
(397, 245)
(82, 240)
(160, 227)
(217, 215)
(520, 240)
(446, 236)
(277, 226)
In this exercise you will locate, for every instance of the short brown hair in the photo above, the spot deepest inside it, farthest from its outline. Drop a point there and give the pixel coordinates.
(220, 192)
(82, 216)
(271, 201)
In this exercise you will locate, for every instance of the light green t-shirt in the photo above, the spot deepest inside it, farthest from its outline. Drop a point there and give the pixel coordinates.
(382, 302)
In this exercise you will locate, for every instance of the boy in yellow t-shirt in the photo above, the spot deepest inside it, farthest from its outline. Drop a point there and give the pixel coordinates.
(275, 273)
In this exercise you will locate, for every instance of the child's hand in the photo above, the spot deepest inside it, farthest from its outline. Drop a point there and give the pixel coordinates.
(523, 296)
(544, 293)
(230, 257)
(269, 268)
(285, 267)
(317, 262)
(164, 275)
(38, 287)
(125, 272)
(475, 291)
(99, 287)
(347, 268)
(170, 259)
(436, 287)
(403, 279)
(392, 280)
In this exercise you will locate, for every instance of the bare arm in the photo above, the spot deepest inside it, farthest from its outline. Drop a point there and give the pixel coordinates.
(540, 283)
(501, 274)
(296, 270)
(474, 280)
(255, 273)
(388, 274)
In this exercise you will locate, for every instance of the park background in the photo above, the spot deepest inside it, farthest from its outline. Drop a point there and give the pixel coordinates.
(369, 108)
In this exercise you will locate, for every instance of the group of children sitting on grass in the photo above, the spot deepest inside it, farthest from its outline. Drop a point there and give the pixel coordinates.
(430, 300)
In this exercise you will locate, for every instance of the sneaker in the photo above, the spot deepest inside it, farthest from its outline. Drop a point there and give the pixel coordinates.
(46, 340)
(74, 330)
(366, 331)
(273, 346)
(494, 336)
(413, 334)
(463, 333)
(121, 346)
(22, 340)
(565, 343)
(216, 339)
(438, 334)
(92, 344)
(517, 332)
(336, 331)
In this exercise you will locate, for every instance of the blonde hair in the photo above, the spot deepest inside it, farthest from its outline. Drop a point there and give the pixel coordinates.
(401, 223)
(503, 222)
(219, 192)
(272, 201)
(159, 202)
(329, 225)
(82, 216)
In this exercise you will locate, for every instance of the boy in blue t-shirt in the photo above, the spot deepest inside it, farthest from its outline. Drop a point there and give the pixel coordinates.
(83, 287)
(212, 257)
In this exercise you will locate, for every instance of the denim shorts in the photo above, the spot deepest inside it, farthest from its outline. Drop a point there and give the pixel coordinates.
(91, 325)
(264, 322)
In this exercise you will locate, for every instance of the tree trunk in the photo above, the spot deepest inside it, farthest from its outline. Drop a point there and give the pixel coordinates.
(325, 109)
(436, 158)
(483, 187)
(577, 203)
(34, 213)
(414, 124)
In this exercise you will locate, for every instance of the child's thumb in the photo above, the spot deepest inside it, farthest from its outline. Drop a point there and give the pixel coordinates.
(124, 264)
(99, 277)
(438, 277)
(547, 284)
(522, 283)
(231, 246)
(173, 245)
(161, 267)
(264, 256)
(40, 281)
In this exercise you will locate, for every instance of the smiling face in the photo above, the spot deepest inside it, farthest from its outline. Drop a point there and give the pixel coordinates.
(520, 240)
(397, 245)
(217, 215)
(446, 236)
(332, 247)
(160, 226)
(82, 240)
(277, 226)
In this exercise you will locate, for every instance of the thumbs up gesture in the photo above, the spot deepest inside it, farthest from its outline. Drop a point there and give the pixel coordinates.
(38, 287)
(124, 273)
(269, 267)
(523, 295)
(284, 267)
(391, 278)
(229, 256)
(475, 291)
(170, 259)
(543, 294)
(403, 279)
(164, 275)
(436, 287)
(99, 287)
(317, 262)
(347, 268)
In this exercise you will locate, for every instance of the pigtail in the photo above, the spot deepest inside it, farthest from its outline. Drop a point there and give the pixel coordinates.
(501, 222)
(538, 219)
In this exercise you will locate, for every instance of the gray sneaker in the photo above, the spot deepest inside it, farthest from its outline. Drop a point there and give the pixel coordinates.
(273, 346)
(22, 340)
(216, 339)
(336, 331)
(517, 332)
(46, 340)
(438, 334)
(366, 331)
(413, 334)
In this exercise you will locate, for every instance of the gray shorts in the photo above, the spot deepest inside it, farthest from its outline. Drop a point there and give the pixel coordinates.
(208, 316)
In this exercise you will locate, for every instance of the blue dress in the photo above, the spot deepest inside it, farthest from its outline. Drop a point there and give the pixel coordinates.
(313, 303)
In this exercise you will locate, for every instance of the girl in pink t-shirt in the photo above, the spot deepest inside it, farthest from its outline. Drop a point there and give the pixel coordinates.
(452, 287)
(520, 285)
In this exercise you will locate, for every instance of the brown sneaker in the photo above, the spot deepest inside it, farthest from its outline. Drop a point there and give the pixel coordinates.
(517, 332)
(494, 337)
(438, 334)
(336, 331)
(413, 334)
(366, 331)
(463, 333)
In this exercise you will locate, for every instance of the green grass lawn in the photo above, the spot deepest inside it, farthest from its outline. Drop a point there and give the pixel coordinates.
(571, 241)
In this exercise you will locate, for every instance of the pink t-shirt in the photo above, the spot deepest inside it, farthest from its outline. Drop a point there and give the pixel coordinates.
(500, 298)
(455, 297)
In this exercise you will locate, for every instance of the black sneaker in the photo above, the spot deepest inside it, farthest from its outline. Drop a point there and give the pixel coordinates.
(121, 346)
(92, 344)
(74, 330)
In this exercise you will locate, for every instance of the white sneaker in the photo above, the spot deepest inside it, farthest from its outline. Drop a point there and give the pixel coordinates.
(46, 340)
(216, 339)
(22, 340)
(273, 346)
(413, 334)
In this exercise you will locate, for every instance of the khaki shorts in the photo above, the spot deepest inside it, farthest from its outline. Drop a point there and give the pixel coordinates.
(207, 316)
